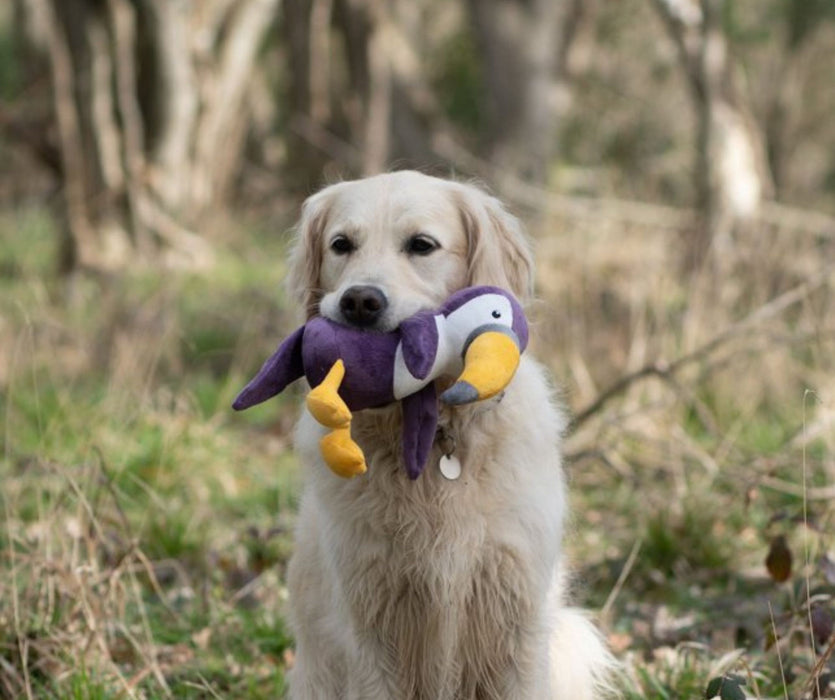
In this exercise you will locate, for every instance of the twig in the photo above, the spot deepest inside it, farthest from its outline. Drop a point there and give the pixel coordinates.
(814, 678)
(813, 493)
(615, 389)
(777, 648)
(806, 567)
(148, 567)
(624, 573)
(151, 659)
(111, 487)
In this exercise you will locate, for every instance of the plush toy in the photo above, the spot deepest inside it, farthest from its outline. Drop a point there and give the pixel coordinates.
(481, 330)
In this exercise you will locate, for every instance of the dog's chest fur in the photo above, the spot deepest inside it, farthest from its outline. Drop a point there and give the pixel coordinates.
(440, 587)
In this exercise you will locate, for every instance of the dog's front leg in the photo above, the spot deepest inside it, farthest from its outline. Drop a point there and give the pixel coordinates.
(507, 630)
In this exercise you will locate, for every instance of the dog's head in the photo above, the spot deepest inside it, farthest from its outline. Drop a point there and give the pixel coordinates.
(372, 252)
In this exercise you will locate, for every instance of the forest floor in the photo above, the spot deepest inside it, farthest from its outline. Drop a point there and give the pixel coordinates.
(146, 527)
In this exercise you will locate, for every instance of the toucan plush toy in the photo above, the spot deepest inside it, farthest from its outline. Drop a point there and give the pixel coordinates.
(478, 335)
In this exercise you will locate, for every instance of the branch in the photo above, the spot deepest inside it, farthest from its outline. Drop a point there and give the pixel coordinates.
(517, 190)
(663, 370)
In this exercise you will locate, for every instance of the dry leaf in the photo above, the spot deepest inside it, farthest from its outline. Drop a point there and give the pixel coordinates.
(779, 560)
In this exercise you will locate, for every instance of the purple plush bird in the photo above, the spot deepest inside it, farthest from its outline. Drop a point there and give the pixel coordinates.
(480, 329)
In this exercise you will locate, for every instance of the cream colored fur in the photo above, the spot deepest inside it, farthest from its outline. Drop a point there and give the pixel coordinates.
(433, 589)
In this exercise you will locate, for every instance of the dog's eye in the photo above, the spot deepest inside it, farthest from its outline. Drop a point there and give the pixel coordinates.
(342, 245)
(421, 244)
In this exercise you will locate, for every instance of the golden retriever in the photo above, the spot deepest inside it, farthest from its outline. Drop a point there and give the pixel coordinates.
(433, 589)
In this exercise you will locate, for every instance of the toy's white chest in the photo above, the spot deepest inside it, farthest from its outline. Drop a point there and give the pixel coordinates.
(446, 361)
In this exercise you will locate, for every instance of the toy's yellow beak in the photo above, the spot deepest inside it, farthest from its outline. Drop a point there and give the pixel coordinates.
(490, 362)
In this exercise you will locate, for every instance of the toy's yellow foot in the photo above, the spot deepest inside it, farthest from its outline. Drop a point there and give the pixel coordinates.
(324, 402)
(342, 454)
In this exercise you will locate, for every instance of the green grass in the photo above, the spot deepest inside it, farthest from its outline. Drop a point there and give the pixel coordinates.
(145, 525)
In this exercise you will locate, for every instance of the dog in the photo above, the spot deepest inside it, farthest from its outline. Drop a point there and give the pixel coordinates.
(434, 589)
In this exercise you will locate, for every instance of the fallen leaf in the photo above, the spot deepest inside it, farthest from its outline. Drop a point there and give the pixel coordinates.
(779, 560)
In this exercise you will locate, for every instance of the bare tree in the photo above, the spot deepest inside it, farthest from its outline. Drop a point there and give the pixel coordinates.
(519, 43)
(307, 33)
(359, 88)
(151, 112)
(730, 173)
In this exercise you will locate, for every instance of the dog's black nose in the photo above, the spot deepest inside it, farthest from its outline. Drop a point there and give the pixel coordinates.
(363, 305)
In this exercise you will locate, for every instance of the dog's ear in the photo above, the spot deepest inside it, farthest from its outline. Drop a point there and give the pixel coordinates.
(498, 251)
(303, 282)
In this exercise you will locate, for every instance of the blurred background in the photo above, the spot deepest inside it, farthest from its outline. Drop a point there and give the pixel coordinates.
(674, 161)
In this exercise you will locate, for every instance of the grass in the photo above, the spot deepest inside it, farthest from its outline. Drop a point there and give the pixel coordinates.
(146, 527)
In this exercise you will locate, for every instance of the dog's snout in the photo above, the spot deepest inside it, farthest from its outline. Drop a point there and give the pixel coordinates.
(363, 305)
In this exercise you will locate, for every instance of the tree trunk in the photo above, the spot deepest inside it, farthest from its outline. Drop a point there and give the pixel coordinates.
(519, 42)
(306, 33)
(730, 172)
(149, 99)
(361, 92)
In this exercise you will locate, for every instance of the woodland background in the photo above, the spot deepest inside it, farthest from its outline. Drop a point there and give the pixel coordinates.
(674, 161)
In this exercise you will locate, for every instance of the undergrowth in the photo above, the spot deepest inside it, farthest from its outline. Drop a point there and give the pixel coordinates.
(146, 528)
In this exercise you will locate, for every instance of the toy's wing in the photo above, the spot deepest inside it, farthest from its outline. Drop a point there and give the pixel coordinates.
(420, 421)
(419, 340)
(285, 366)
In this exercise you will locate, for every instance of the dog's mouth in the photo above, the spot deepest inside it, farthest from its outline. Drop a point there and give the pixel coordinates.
(367, 306)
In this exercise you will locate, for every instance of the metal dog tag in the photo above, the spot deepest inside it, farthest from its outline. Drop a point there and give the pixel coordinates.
(450, 467)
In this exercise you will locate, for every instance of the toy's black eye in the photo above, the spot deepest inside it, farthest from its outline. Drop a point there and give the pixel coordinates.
(421, 244)
(497, 314)
(342, 245)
